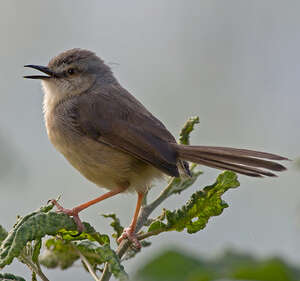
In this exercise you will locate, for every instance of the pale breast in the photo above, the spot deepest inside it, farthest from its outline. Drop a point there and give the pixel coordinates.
(103, 165)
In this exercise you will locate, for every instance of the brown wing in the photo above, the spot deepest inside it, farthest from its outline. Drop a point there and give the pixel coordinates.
(114, 117)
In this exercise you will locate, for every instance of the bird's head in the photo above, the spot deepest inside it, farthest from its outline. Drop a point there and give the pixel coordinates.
(72, 72)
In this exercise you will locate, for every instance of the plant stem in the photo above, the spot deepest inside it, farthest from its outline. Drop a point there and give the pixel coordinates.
(33, 267)
(87, 264)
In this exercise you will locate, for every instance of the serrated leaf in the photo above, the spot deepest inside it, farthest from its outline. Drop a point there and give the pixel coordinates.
(179, 184)
(33, 227)
(115, 224)
(203, 205)
(9, 277)
(184, 136)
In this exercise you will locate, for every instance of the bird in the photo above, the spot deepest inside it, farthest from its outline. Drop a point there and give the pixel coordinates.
(115, 142)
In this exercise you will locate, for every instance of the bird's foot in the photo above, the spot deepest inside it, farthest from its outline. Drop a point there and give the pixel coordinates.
(71, 213)
(128, 233)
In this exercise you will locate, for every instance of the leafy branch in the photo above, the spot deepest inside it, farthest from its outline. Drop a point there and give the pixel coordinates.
(65, 246)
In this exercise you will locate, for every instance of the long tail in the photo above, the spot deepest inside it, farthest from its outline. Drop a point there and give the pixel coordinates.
(243, 161)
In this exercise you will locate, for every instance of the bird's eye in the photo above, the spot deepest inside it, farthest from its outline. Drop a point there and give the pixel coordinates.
(71, 71)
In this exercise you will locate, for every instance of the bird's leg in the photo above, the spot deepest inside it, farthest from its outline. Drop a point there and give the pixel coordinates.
(75, 211)
(129, 232)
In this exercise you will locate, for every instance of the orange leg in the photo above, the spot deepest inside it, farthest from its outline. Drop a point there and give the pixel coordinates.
(129, 232)
(75, 211)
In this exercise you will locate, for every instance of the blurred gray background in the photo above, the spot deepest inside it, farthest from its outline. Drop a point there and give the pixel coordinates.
(234, 63)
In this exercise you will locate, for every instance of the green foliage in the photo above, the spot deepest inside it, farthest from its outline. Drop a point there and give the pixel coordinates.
(34, 227)
(89, 233)
(177, 266)
(268, 270)
(59, 253)
(3, 233)
(184, 136)
(63, 253)
(103, 254)
(36, 250)
(8, 276)
(115, 224)
(203, 204)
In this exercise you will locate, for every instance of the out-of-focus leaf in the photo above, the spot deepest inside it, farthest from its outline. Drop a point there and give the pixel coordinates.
(10, 277)
(176, 266)
(203, 204)
(115, 224)
(172, 266)
(58, 253)
(268, 270)
(3, 233)
(33, 227)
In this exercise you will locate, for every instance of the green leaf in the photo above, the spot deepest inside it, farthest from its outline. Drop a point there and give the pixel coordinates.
(36, 250)
(62, 253)
(90, 234)
(174, 265)
(184, 136)
(8, 276)
(3, 233)
(176, 185)
(35, 226)
(59, 253)
(202, 205)
(101, 255)
(115, 224)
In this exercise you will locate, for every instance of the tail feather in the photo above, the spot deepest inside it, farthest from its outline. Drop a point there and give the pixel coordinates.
(240, 151)
(242, 161)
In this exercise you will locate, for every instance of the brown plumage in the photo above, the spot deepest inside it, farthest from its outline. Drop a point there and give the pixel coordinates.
(114, 141)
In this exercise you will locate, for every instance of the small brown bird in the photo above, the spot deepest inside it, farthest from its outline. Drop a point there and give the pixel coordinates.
(115, 142)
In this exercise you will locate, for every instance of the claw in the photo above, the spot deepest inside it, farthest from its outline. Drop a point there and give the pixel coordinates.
(71, 213)
(129, 234)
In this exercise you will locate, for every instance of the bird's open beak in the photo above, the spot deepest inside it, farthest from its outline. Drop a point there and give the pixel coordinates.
(43, 69)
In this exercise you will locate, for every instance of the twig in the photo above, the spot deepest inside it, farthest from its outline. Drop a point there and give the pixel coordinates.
(33, 267)
(148, 234)
(87, 264)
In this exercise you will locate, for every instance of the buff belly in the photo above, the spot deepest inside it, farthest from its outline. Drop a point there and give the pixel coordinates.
(103, 165)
